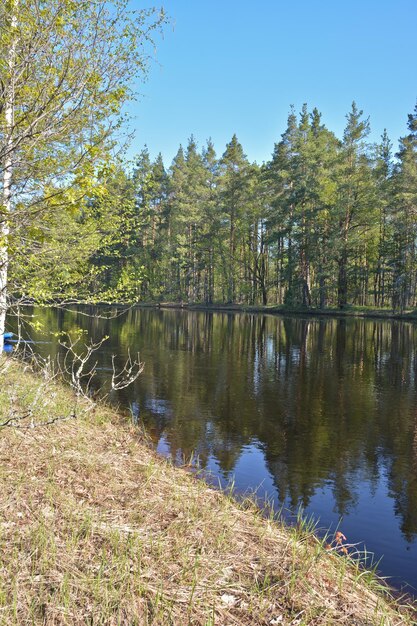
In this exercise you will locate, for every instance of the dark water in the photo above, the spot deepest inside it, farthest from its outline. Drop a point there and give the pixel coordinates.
(318, 413)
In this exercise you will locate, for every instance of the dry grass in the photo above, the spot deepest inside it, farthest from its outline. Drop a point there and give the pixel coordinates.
(96, 529)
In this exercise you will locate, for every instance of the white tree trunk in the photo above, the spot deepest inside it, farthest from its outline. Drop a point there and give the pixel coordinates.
(7, 178)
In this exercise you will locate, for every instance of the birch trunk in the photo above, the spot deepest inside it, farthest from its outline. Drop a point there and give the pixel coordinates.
(7, 167)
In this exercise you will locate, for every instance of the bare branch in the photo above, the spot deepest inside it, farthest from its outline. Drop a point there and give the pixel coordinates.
(126, 376)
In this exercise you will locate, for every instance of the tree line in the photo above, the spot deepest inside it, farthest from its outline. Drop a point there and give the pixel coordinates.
(325, 222)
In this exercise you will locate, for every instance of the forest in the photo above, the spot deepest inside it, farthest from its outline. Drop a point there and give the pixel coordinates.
(326, 222)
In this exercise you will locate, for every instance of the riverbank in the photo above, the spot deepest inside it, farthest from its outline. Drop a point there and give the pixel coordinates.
(96, 528)
(350, 311)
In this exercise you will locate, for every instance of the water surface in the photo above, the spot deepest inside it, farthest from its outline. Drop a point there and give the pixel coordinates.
(318, 413)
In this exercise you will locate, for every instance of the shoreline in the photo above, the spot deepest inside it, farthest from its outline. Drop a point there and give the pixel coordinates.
(110, 532)
(276, 310)
(355, 312)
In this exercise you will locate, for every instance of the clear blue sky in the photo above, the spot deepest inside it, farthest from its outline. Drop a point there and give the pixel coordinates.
(236, 66)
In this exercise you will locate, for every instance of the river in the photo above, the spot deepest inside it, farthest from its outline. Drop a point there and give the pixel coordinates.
(318, 413)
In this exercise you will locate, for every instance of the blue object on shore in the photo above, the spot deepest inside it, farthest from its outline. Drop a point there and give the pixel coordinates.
(7, 336)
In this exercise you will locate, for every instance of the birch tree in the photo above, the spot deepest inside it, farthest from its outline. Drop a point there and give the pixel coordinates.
(67, 67)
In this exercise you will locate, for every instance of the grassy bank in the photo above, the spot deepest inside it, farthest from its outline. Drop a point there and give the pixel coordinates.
(96, 529)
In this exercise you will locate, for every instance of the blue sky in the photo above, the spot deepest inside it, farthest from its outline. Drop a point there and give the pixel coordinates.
(236, 66)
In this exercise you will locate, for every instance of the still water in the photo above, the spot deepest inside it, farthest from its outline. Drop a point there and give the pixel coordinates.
(313, 412)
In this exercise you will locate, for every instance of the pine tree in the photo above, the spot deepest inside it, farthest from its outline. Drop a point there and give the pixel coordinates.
(211, 221)
(299, 179)
(177, 200)
(323, 157)
(234, 196)
(280, 220)
(405, 219)
(384, 187)
(355, 198)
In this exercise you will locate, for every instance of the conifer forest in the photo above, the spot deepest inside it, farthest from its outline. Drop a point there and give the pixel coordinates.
(326, 222)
